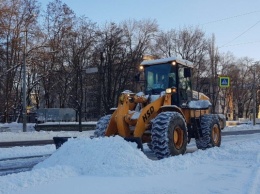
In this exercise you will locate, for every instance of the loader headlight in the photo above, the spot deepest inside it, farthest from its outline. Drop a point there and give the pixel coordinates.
(171, 90)
(174, 63)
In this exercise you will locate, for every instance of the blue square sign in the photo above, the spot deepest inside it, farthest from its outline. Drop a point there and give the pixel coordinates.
(224, 82)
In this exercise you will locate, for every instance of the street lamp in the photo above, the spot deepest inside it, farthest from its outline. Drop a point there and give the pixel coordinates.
(24, 82)
(254, 99)
(24, 71)
(254, 94)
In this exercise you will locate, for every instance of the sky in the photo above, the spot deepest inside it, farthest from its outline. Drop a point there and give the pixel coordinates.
(235, 23)
(113, 166)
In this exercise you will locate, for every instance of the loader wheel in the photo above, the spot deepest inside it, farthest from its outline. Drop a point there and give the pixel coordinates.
(150, 146)
(211, 132)
(169, 135)
(102, 126)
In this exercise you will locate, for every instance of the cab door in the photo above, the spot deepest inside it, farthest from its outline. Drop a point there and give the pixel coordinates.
(184, 85)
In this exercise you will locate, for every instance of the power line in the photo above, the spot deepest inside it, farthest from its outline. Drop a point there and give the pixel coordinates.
(228, 18)
(236, 16)
(243, 43)
(241, 33)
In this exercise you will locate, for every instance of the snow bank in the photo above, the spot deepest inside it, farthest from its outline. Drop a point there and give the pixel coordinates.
(41, 135)
(101, 157)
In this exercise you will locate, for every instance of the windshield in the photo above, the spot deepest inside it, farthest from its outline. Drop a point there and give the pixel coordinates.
(159, 77)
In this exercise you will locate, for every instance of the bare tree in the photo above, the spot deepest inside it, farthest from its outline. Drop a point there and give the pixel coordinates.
(15, 26)
(187, 43)
(112, 51)
(121, 49)
(213, 73)
(61, 48)
(165, 44)
(140, 36)
(241, 86)
(58, 27)
(79, 48)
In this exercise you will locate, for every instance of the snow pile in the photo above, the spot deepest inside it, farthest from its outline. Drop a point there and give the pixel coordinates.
(108, 156)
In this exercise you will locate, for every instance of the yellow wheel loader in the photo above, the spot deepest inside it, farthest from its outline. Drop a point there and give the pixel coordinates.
(167, 114)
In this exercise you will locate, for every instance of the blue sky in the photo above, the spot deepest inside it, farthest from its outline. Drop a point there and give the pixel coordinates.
(235, 23)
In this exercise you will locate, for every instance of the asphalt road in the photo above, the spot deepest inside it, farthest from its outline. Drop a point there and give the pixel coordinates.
(25, 143)
(46, 142)
(19, 164)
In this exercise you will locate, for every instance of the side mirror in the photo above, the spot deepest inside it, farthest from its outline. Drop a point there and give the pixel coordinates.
(187, 72)
(137, 77)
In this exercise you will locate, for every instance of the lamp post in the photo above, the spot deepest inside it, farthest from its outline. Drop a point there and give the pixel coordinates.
(254, 99)
(24, 82)
(254, 96)
(27, 22)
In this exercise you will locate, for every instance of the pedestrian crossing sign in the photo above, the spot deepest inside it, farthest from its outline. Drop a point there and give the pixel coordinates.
(224, 82)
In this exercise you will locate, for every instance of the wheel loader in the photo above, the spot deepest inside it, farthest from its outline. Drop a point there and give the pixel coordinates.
(166, 114)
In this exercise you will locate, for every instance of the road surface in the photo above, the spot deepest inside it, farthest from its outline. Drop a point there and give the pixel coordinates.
(20, 164)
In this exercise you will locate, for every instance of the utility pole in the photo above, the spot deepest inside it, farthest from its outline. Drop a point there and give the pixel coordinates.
(27, 22)
(254, 96)
(24, 82)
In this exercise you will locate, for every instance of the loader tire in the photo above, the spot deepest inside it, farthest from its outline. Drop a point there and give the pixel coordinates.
(102, 126)
(149, 145)
(169, 135)
(211, 132)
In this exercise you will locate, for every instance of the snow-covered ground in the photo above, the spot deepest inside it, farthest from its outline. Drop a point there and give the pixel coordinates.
(112, 165)
(14, 133)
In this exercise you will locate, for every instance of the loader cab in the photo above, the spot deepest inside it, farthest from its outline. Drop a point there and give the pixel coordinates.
(160, 75)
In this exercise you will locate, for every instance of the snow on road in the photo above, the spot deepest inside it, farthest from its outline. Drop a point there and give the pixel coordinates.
(112, 165)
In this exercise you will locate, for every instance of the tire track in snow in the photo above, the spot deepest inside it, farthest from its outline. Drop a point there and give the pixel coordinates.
(254, 188)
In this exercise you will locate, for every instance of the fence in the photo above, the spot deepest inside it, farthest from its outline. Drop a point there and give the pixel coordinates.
(56, 115)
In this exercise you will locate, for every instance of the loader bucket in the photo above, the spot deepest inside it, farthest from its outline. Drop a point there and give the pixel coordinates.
(58, 141)
(136, 140)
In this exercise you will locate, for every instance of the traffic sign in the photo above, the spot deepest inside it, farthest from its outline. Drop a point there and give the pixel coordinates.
(224, 82)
